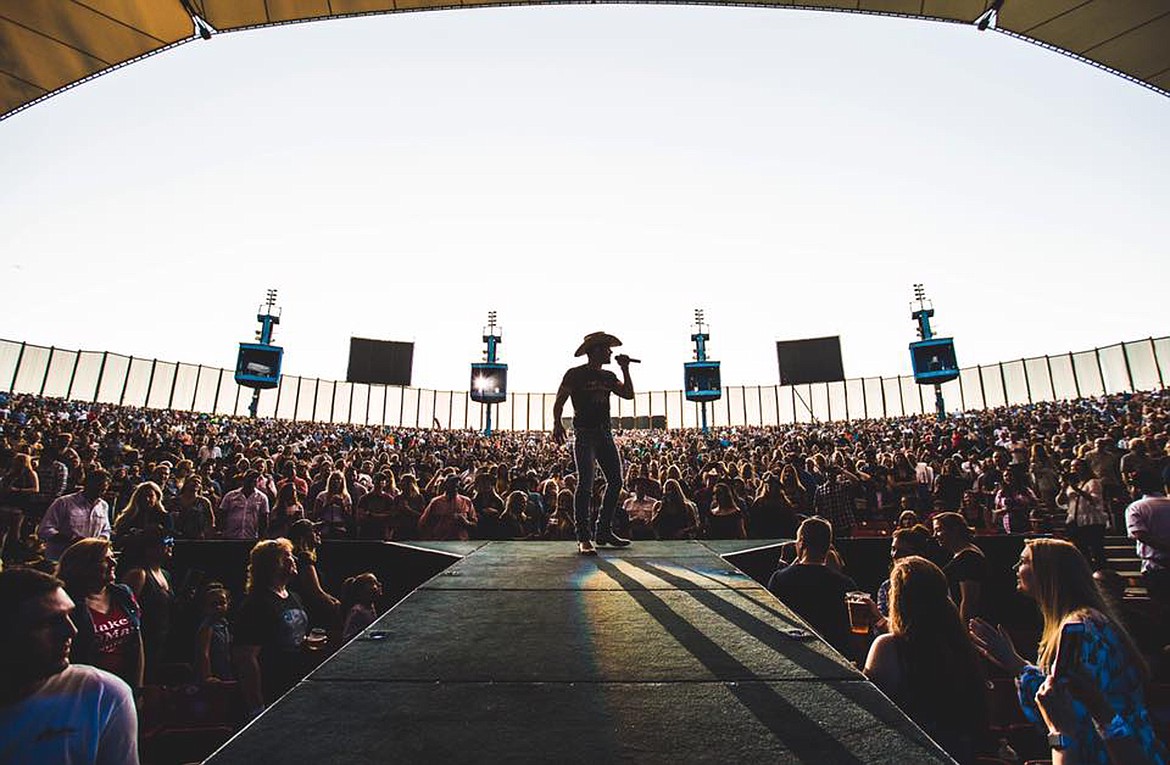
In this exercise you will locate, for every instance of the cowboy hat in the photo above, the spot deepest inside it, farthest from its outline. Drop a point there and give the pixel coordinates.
(596, 338)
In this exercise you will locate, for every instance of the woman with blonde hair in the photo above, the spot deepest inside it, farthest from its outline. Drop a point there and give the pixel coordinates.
(270, 627)
(333, 508)
(144, 510)
(1103, 658)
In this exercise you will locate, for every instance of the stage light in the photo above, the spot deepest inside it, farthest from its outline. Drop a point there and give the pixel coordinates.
(489, 383)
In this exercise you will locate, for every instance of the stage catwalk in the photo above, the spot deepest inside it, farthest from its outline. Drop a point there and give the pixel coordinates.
(527, 652)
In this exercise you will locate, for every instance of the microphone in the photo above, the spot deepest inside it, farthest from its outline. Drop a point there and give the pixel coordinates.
(628, 359)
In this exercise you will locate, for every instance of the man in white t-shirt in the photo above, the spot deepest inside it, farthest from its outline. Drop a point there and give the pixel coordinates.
(51, 711)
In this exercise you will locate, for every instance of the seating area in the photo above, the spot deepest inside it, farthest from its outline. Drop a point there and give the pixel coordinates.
(188, 475)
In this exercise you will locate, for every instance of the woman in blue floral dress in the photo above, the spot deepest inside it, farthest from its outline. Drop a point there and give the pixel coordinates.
(1055, 574)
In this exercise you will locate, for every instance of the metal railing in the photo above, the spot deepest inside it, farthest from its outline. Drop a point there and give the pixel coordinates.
(116, 379)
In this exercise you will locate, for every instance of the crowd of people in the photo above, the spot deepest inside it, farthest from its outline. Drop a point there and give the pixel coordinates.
(97, 494)
(1015, 469)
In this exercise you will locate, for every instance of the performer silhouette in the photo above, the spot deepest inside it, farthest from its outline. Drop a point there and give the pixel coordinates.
(589, 386)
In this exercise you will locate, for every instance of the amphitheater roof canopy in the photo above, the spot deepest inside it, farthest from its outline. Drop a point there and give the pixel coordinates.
(47, 46)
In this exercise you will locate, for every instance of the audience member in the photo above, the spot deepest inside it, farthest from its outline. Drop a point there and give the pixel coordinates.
(639, 510)
(145, 555)
(833, 500)
(320, 605)
(19, 487)
(191, 511)
(213, 640)
(270, 628)
(76, 516)
(52, 711)
(725, 519)
(1015, 501)
(359, 604)
(675, 516)
(966, 571)
(772, 515)
(927, 665)
(333, 508)
(105, 613)
(450, 515)
(287, 511)
(1083, 498)
(243, 512)
(1055, 574)
(904, 542)
(814, 591)
(375, 509)
(144, 510)
(560, 524)
(1148, 522)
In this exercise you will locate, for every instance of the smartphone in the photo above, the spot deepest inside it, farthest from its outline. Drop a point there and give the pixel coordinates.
(1068, 649)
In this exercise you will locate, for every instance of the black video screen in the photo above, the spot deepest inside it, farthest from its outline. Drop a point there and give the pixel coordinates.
(380, 362)
(814, 360)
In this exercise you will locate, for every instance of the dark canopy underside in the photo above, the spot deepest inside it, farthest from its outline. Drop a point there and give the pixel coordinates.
(47, 46)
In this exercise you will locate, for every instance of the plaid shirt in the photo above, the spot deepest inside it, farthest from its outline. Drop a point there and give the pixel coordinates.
(834, 501)
(53, 477)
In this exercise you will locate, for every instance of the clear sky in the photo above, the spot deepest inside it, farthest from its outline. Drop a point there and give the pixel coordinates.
(578, 168)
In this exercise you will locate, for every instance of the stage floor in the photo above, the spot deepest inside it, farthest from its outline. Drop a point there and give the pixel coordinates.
(527, 652)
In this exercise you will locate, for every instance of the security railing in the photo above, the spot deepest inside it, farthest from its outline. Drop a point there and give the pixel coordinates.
(116, 379)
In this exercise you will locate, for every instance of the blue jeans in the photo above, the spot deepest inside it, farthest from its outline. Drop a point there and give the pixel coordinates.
(595, 445)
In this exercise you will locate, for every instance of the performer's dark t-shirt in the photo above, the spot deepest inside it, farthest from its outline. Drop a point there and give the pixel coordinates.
(589, 390)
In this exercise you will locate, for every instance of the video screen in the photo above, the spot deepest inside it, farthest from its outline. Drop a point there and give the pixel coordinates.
(258, 366)
(489, 383)
(379, 362)
(814, 360)
(701, 381)
(934, 360)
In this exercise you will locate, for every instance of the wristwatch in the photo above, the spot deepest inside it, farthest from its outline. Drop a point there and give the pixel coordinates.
(1059, 741)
